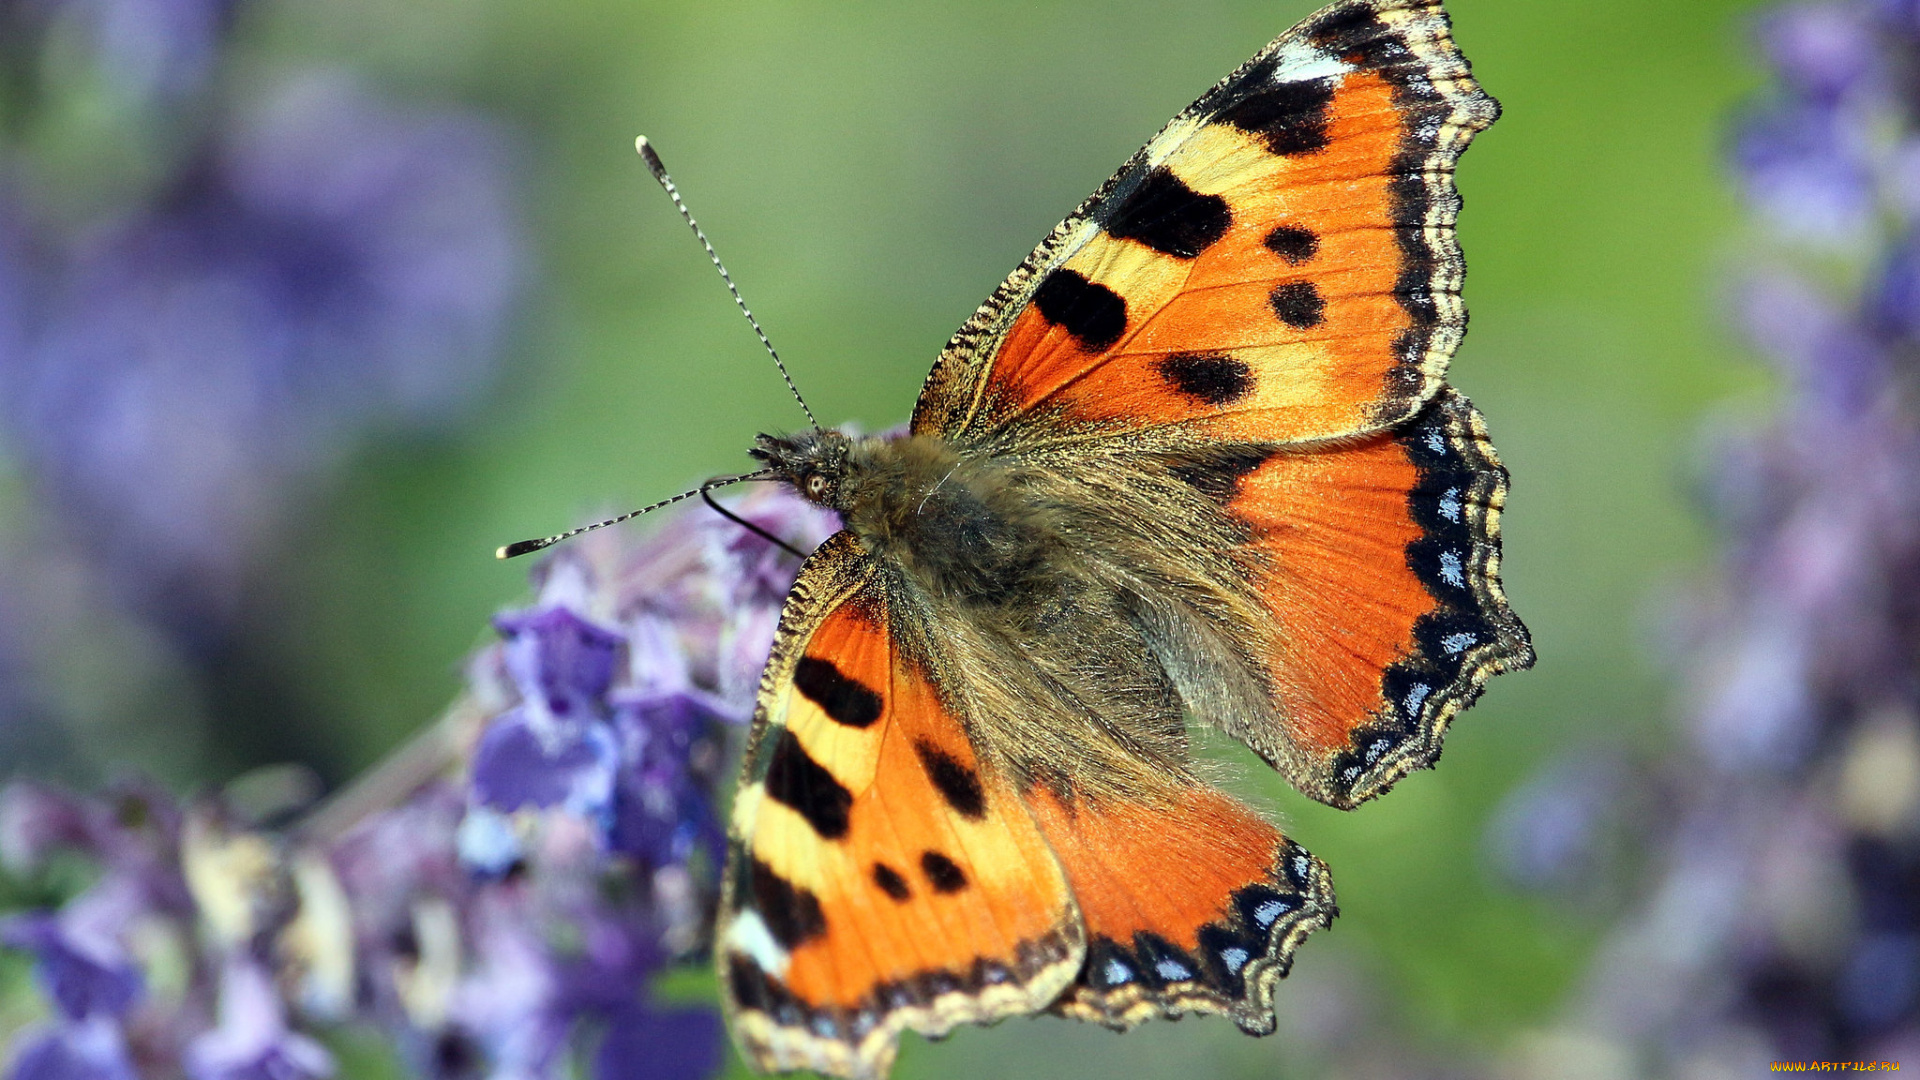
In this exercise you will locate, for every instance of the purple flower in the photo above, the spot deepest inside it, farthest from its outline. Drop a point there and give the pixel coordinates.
(1802, 164)
(635, 747)
(91, 1050)
(1821, 50)
(665, 807)
(561, 663)
(133, 833)
(1828, 358)
(252, 1041)
(36, 821)
(658, 1044)
(85, 969)
(1895, 303)
(523, 763)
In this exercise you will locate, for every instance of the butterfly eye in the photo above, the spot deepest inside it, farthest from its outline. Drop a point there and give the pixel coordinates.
(816, 486)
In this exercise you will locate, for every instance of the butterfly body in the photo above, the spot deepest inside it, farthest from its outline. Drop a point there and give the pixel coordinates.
(1083, 604)
(959, 524)
(1195, 462)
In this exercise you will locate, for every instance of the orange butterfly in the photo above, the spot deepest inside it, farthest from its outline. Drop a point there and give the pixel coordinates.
(1194, 458)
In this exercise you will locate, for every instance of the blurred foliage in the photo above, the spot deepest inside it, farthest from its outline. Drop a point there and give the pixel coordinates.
(870, 172)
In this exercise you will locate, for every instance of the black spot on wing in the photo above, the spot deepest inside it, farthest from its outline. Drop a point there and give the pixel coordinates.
(1414, 289)
(747, 981)
(1217, 473)
(796, 780)
(1290, 117)
(1293, 243)
(1260, 907)
(1167, 216)
(842, 698)
(1163, 962)
(1227, 951)
(1208, 378)
(891, 882)
(959, 785)
(1356, 34)
(1109, 966)
(1299, 304)
(792, 914)
(1091, 312)
(942, 873)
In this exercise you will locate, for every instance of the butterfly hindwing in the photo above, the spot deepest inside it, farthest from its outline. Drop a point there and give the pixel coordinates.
(1277, 265)
(1378, 561)
(880, 879)
(1193, 904)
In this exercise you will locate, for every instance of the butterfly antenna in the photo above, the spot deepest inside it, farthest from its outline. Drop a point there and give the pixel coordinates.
(659, 172)
(527, 547)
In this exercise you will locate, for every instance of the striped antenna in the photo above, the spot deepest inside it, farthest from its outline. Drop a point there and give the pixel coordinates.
(659, 172)
(527, 547)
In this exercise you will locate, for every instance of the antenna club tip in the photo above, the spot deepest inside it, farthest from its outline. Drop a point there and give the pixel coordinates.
(519, 548)
(648, 155)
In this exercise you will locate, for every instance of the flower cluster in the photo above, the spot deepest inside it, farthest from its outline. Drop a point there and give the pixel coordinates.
(1782, 919)
(498, 898)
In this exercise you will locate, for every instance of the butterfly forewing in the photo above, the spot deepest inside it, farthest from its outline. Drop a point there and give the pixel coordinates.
(880, 879)
(1278, 264)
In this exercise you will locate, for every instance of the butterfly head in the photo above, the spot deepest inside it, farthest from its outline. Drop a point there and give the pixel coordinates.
(815, 462)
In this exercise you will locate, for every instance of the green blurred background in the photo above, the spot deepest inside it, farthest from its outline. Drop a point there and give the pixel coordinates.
(870, 172)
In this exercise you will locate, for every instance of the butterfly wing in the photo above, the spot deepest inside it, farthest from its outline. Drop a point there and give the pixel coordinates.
(1192, 904)
(879, 878)
(1378, 561)
(1277, 264)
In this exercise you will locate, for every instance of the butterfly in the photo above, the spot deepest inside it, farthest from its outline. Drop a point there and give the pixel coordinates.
(1195, 460)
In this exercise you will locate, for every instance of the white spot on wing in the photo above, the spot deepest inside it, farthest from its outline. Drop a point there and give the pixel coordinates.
(1416, 697)
(1117, 973)
(1299, 61)
(1267, 912)
(1172, 970)
(1234, 959)
(1450, 504)
(1452, 569)
(749, 935)
(1454, 643)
